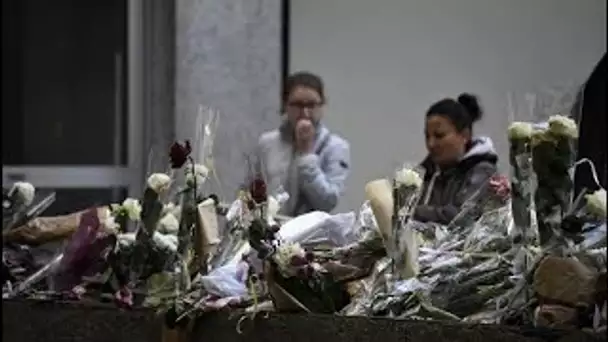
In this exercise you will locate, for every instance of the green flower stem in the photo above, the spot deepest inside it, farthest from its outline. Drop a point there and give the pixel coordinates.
(520, 158)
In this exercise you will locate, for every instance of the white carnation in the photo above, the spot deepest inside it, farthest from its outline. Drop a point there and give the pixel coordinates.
(132, 208)
(520, 130)
(560, 125)
(284, 254)
(25, 192)
(159, 182)
(168, 224)
(165, 241)
(596, 203)
(408, 177)
(201, 172)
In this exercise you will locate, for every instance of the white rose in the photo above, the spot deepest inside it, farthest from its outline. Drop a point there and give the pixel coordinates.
(285, 252)
(168, 224)
(168, 208)
(408, 177)
(560, 125)
(166, 241)
(108, 220)
(539, 136)
(25, 191)
(596, 203)
(201, 172)
(111, 224)
(520, 130)
(159, 182)
(133, 208)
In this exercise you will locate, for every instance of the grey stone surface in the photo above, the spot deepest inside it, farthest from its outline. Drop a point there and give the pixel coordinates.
(37, 321)
(228, 57)
(158, 83)
(33, 321)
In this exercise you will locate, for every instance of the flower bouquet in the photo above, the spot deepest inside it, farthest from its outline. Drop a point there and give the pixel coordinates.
(553, 157)
(520, 159)
(295, 281)
(407, 186)
(458, 272)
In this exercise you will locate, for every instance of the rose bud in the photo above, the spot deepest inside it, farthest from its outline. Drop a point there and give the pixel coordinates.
(178, 154)
(258, 190)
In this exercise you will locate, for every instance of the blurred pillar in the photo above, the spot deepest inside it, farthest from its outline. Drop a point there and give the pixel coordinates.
(228, 57)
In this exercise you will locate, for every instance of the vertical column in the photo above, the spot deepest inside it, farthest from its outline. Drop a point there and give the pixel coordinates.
(158, 79)
(228, 57)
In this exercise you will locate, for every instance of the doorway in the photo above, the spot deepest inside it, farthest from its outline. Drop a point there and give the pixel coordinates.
(66, 92)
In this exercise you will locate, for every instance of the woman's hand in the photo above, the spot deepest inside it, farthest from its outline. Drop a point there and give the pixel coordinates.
(305, 136)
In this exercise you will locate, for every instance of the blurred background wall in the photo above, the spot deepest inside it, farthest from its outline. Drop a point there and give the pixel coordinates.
(386, 61)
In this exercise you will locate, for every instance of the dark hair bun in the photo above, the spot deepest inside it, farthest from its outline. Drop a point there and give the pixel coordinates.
(470, 103)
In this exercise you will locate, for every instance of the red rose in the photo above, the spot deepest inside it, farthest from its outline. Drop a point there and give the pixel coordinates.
(178, 155)
(258, 190)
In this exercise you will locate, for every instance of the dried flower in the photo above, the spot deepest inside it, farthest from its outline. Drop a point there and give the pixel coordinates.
(520, 130)
(596, 203)
(563, 126)
(258, 190)
(408, 178)
(179, 154)
(159, 182)
(25, 192)
(168, 224)
(201, 172)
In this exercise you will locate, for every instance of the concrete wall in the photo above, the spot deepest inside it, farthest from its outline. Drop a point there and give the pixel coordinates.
(386, 61)
(228, 57)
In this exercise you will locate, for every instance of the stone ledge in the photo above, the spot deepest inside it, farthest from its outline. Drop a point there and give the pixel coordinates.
(54, 322)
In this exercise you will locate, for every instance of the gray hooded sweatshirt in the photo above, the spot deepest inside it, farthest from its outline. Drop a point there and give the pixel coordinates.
(446, 190)
(313, 181)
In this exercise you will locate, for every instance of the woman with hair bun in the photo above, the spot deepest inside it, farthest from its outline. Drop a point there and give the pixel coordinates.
(458, 163)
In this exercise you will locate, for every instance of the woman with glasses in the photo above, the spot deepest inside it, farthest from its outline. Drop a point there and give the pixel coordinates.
(302, 156)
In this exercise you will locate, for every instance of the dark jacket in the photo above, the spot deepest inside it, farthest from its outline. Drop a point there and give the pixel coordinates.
(444, 191)
(592, 128)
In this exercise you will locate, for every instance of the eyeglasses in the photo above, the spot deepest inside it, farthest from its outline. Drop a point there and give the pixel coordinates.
(304, 105)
